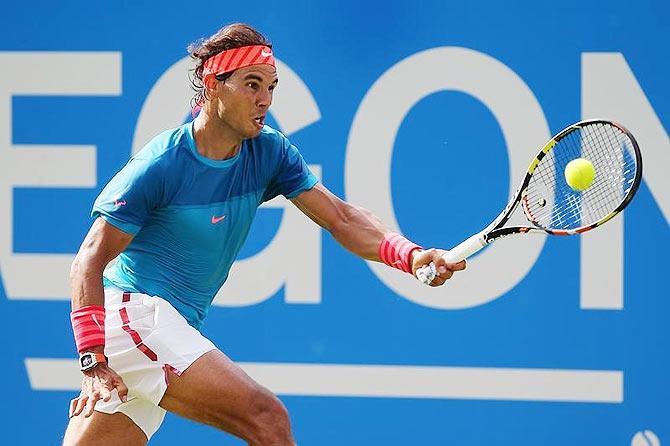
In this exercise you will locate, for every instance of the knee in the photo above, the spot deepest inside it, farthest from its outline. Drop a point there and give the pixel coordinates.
(270, 419)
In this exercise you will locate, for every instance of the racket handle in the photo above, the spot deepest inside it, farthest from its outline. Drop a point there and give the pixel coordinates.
(465, 249)
(462, 251)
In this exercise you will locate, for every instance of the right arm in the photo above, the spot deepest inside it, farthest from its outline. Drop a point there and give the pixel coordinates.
(102, 244)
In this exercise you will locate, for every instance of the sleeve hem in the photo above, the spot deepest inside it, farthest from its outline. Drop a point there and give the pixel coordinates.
(126, 227)
(309, 183)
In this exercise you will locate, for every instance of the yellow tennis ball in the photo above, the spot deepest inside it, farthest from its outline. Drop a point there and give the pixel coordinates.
(579, 174)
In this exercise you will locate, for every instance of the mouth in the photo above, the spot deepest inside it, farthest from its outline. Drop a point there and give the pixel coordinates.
(260, 121)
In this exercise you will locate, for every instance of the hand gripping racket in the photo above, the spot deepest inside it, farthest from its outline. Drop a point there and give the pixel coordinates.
(549, 204)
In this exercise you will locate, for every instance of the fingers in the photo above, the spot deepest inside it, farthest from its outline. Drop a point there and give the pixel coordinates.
(443, 274)
(105, 388)
(121, 389)
(79, 405)
(105, 394)
(437, 281)
(85, 404)
(444, 269)
(97, 385)
(73, 406)
(90, 407)
(455, 266)
(109, 381)
(103, 391)
(460, 266)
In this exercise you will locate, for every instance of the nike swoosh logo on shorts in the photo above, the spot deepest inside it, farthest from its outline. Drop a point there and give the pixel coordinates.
(216, 219)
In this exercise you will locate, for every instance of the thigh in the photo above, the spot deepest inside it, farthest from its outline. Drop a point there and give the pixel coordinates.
(102, 429)
(214, 391)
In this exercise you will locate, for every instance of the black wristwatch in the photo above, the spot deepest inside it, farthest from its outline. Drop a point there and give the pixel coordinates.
(90, 360)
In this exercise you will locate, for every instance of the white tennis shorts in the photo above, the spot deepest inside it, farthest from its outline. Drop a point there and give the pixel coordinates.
(144, 338)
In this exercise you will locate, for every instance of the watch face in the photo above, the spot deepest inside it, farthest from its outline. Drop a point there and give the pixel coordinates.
(86, 360)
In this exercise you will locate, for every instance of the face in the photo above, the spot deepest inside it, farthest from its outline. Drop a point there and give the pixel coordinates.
(242, 101)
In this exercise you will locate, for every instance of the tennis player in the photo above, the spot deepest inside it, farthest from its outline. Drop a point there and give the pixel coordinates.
(175, 218)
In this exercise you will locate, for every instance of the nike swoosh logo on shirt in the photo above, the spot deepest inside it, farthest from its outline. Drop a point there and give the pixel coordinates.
(216, 219)
(120, 203)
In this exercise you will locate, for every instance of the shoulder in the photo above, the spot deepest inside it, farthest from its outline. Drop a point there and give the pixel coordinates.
(155, 164)
(165, 151)
(272, 138)
(168, 142)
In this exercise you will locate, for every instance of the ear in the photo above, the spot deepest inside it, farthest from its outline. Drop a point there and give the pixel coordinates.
(209, 82)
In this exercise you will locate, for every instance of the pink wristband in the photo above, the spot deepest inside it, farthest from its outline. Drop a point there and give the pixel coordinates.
(88, 324)
(396, 251)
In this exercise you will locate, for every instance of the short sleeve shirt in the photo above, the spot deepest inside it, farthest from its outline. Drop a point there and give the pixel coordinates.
(190, 215)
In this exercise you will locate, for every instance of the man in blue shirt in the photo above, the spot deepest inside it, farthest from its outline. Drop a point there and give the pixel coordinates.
(175, 218)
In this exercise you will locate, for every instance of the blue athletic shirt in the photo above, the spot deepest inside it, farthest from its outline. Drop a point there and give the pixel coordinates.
(190, 215)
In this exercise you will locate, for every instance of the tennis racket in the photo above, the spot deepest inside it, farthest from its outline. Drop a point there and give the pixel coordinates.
(549, 204)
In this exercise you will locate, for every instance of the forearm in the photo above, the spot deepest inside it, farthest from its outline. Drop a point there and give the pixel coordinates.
(86, 282)
(87, 292)
(357, 229)
(360, 231)
(102, 244)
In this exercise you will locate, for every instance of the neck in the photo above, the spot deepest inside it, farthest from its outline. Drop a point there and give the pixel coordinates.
(213, 139)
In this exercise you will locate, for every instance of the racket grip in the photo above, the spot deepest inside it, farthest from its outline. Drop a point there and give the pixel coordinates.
(465, 249)
(462, 251)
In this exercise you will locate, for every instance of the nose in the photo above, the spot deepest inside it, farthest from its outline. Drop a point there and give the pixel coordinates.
(264, 99)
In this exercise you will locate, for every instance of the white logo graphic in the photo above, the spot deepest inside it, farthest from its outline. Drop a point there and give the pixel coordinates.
(646, 438)
(265, 53)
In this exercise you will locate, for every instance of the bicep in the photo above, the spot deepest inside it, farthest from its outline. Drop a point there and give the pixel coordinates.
(103, 243)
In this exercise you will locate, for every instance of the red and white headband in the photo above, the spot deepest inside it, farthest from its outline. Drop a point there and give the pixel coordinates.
(235, 58)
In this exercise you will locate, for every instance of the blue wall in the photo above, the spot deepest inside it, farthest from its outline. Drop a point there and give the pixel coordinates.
(514, 73)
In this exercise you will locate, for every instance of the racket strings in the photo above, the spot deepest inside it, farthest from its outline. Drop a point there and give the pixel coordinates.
(581, 209)
(616, 176)
(552, 204)
(570, 211)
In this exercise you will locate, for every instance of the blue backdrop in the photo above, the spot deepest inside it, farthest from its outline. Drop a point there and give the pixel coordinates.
(569, 349)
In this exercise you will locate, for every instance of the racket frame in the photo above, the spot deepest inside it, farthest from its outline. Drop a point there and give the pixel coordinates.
(496, 229)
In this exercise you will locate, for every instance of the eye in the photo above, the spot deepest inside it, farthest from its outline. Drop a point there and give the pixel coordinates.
(253, 85)
(272, 88)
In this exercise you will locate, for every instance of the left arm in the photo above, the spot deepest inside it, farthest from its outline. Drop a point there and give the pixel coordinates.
(361, 232)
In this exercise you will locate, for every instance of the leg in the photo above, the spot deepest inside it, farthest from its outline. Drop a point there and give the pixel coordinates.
(102, 429)
(215, 391)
